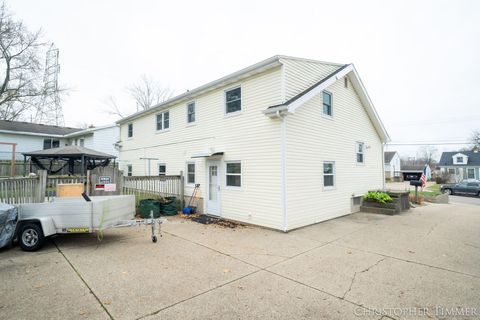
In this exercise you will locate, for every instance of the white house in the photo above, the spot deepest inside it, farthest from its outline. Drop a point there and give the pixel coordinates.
(461, 164)
(284, 143)
(103, 138)
(33, 136)
(392, 164)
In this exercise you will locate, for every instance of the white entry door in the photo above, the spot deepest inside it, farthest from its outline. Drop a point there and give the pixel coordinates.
(213, 179)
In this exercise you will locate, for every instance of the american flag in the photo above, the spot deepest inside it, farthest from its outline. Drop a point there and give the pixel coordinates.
(423, 178)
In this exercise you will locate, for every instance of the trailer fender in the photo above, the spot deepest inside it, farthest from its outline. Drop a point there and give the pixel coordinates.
(47, 225)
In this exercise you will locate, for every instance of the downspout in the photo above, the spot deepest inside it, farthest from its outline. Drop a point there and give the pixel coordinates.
(283, 141)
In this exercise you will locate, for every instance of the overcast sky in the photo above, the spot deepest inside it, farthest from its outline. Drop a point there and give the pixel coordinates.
(419, 60)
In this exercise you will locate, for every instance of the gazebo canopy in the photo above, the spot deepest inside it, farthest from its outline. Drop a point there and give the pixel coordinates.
(76, 152)
(88, 159)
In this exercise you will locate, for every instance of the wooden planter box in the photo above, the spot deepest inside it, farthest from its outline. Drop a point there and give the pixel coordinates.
(400, 202)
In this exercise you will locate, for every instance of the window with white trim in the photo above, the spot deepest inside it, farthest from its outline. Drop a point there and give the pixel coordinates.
(233, 174)
(360, 152)
(327, 103)
(459, 159)
(163, 121)
(233, 100)
(191, 112)
(162, 169)
(191, 173)
(129, 170)
(130, 130)
(50, 143)
(329, 174)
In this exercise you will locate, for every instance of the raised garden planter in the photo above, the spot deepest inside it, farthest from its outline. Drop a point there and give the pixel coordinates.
(441, 198)
(398, 204)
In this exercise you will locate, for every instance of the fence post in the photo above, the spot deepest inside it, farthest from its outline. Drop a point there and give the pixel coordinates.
(182, 190)
(42, 185)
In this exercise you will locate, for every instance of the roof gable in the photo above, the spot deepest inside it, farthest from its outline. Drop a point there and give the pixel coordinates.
(347, 70)
(389, 156)
(447, 158)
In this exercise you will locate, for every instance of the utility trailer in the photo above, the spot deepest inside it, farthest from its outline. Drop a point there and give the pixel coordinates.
(36, 221)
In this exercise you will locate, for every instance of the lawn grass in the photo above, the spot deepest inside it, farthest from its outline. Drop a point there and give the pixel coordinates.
(426, 193)
(435, 187)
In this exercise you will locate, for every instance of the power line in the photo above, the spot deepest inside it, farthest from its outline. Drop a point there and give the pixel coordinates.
(425, 143)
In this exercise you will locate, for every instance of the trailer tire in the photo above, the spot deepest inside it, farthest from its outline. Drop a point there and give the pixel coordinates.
(30, 237)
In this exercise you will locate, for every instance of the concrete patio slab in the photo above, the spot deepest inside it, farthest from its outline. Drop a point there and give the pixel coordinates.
(43, 285)
(329, 268)
(263, 296)
(253, 245)
(138, 277)
(398, 284)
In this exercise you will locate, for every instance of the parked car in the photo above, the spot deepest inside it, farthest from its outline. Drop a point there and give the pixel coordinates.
(470, 187)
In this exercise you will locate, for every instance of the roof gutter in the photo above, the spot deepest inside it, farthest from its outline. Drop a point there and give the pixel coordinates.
(231, 78)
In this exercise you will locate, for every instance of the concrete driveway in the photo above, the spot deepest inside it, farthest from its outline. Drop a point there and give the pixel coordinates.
(417, 265)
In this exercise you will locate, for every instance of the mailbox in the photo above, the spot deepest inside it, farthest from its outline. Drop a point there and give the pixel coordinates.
(416, 183)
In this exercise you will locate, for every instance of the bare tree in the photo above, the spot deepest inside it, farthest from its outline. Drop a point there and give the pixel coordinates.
(112, 108)
(147, 93)
(427, 154)
(475, 139)
(21, 71)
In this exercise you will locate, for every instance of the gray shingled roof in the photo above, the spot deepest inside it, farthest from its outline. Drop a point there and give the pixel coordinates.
(389, 155)
(447, 160)
(35, 128)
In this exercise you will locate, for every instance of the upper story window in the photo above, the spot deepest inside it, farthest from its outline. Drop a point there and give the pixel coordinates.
(50, 143)
(162, 169)
(130, 130)
(459, 159)
(191, 112)
(191, 173)
(329, 174)
(233, 100)
(360, 152)
(163, 121)
(129, 170)
(327, 103)
(82, 142)
(234, 174)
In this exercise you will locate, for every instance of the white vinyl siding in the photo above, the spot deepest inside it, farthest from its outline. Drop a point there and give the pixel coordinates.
(302, 74)
(312, 138)
(261, 183)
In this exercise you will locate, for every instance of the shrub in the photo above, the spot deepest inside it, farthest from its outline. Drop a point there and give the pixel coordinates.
(380, 197)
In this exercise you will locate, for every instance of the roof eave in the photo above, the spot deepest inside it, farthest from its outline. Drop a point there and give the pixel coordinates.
(231, 78)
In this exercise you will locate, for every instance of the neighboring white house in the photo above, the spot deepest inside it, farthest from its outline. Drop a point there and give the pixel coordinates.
(284, 143)
(461, 164)
(32, 136)
(392, 164)
(104, 138)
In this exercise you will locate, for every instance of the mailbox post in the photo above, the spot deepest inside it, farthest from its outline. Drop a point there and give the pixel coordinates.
(416, 183)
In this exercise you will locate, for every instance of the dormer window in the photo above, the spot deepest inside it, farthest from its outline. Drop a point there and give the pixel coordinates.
(459, 159)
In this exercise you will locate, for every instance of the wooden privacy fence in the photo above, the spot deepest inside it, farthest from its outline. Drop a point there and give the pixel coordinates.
(144, 187)
(21, 190)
